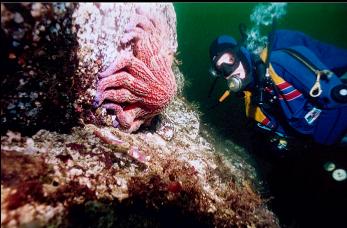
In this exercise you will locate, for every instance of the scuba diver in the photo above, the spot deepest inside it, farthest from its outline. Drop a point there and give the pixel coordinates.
(295, 94)
(295, 89)
(298, 89)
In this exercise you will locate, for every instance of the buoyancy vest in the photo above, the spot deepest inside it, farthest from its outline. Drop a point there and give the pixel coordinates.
(322, 118)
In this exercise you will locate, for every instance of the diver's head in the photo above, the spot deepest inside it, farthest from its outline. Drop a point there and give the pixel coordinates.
(231, 61)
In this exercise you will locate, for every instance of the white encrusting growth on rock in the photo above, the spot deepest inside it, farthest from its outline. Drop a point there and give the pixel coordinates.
(101, 25)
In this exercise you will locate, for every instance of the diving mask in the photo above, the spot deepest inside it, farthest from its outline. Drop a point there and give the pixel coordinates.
(226, 68)
(233, 74)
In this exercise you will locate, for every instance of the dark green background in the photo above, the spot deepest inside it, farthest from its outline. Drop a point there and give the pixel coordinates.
(199, 23)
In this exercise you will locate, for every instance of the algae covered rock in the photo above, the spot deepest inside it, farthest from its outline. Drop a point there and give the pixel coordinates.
(67, 166)
(98, 175)
(39, 58)
(52, 55)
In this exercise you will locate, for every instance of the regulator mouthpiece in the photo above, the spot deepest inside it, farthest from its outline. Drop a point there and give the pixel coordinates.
(234, 84)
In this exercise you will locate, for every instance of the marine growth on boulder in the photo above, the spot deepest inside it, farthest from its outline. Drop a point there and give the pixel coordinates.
(96, 132)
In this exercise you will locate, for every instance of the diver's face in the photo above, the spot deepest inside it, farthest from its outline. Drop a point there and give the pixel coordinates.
(229, 59)
(226, 58)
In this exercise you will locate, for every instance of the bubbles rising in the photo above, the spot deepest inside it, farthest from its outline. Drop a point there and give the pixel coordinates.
(262, 17)
(263, 14)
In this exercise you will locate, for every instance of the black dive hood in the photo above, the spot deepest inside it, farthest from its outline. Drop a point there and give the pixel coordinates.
(227, 44)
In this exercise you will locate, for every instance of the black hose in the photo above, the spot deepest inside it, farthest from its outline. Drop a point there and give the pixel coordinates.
(212, 87)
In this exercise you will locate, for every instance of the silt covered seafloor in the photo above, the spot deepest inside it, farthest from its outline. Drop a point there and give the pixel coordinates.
(60, 165)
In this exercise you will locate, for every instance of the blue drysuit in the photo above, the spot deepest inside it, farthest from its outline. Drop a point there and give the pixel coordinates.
(322, 117)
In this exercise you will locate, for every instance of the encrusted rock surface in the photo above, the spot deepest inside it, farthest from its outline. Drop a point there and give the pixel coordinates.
(90, 176)
(62, 167)
(51, 55)
(38, 61)
(101, 29)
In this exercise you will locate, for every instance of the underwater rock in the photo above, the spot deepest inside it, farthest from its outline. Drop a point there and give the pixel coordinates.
(53, 53)
(38, 61)
(165, 175)
(81, 179)
(134, 53)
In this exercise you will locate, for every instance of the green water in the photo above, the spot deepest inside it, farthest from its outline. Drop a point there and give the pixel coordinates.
(199, 23)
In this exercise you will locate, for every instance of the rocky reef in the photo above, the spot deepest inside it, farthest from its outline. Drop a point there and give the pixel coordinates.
(38, 65)
(103, 176)
(64, 164)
